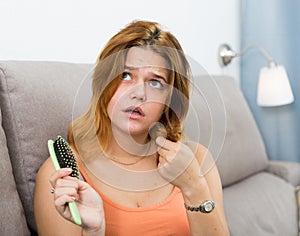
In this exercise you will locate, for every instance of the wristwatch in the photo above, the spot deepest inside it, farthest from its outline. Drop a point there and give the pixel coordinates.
(206, 207)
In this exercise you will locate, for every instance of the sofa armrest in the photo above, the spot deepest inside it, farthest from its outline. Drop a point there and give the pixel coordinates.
(289, 171)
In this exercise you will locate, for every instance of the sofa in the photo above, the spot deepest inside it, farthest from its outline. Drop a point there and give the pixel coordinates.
(37, 104)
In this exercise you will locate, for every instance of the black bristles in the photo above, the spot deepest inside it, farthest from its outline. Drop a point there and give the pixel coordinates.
(65, 156)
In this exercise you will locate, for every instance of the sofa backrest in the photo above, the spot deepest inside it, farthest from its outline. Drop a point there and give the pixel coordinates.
(12, 218)
(220, 119)
(36, 100)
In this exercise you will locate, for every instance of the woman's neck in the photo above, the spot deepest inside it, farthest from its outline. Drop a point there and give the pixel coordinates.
(126, 150)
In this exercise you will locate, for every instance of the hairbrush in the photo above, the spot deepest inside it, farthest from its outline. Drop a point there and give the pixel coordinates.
(62, 156)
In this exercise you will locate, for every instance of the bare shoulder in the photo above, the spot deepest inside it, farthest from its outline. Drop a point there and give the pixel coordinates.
(42, 183)
(199, 150)
(203, 155)
(45, 171)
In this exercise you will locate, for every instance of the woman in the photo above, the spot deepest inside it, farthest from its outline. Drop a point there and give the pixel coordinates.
(138, 175)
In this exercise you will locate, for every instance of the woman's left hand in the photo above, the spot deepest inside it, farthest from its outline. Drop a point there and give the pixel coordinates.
(177, 163)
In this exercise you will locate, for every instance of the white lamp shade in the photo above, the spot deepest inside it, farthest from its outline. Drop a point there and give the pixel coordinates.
(274, 88)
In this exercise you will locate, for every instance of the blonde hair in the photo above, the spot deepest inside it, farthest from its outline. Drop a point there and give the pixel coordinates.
(95, 122)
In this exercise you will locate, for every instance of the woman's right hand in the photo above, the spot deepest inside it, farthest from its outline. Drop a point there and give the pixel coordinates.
(88, 201)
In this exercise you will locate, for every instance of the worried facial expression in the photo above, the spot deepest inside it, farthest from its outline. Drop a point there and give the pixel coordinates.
(141, 97)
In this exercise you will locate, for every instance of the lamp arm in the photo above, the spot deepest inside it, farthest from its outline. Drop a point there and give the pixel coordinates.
(261, 50)
(226, 54)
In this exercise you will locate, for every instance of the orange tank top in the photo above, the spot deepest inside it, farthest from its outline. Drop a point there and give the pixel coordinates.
(165, 218)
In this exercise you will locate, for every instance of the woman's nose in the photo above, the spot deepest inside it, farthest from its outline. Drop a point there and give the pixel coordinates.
(138, 92)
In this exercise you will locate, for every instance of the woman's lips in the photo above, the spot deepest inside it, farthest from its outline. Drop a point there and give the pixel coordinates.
(134, 113)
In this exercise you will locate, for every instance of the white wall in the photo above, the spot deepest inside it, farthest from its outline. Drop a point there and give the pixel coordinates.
(76, 31)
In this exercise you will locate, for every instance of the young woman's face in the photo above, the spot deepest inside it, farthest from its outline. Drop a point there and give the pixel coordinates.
(140, 99)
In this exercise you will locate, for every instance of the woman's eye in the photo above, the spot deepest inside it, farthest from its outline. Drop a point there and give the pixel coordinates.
(156, 84)
(126, 76)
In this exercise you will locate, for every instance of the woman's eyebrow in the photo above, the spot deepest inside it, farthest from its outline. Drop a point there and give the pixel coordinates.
(129, 67)
(159, 77)
(153, 74)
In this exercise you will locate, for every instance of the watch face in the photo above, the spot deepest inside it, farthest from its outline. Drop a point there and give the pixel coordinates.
(209, 206)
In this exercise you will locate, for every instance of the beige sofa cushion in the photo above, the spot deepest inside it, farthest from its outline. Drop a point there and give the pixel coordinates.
(12, 218)
(263, 204)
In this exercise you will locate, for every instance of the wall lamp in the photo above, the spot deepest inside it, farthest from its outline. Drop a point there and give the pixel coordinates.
(274, 88)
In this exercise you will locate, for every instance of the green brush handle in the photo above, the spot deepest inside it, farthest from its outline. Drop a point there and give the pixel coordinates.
(75, 212)
(72, 205)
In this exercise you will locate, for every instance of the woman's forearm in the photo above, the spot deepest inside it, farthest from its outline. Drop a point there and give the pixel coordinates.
(201, 223)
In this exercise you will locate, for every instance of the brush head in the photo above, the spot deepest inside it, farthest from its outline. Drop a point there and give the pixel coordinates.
(65, 156)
